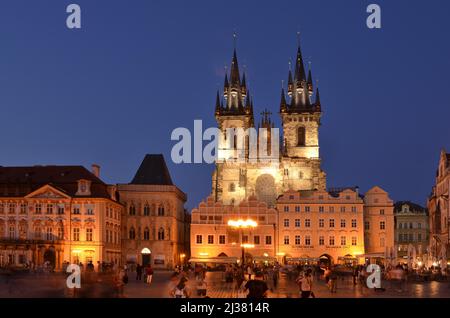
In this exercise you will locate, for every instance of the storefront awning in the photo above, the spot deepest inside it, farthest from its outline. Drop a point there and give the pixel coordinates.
(217, 260)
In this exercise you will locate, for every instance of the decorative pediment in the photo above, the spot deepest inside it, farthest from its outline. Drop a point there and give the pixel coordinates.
(47, 192)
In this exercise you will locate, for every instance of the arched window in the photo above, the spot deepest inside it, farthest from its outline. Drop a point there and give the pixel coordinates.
(400, 225)
(301, 136)
(146, 210)
(161, 211)
(132, 234)
(232, 187)
(132, 210)
(161, 234)
(146, 234)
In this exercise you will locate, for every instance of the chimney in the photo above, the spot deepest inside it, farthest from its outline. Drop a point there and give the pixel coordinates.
(96, 170)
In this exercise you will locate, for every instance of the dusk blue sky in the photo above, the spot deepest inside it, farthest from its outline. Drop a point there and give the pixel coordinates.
(114, 90)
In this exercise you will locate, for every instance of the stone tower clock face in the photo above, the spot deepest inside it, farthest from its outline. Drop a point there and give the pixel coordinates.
(265, 189)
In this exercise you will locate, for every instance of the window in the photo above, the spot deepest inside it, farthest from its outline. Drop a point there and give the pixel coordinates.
(331, 222)
(76, 234)
(354, 209)
(199, 239)
(60, 210)
(132, 210)
(366, 225)
(307, 209)
(268, 240)
(286, 240)
(286, 172)
(90, 211)
(286, 208)
(221, 239)
(210, 239)
(245, 239)
(419, 237)
(301, 132)
(331, 209)
(321, 209)
(146, 234)
(343, 241)
(297, 208)
(331, 240)
(400, 225)
(321, 223)
(146, 210)
(161, 211)
(23, 208)
(49, 208)
(49, 236)
(342, 208)
(76, 210)
(382, 212)
(354, 240)
(382, 241)
(297, 222)
(232, 187)
(410, 225)
(321, 240)
(286, 222)
(411, 237)
(342, 223)
(89, 235)
(12, 208)
(307, 223)
(12, 232)
(354, 223)
(60, 233)
(297, 240)
(37, 233)
(132, 234)
(307, 240)
(419, 225)
(2, 208)
(161, 235)
(38, 208)
(382, 225)
(300, 175)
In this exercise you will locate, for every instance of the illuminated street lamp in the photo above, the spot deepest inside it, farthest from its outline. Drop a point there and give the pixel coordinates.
(241, 225)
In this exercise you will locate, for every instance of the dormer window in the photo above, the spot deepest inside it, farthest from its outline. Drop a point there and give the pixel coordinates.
(84, 187)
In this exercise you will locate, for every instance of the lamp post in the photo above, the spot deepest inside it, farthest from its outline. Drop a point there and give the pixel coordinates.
(241, 225)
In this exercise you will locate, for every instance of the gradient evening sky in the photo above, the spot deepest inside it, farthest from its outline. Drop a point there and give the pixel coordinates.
(114, 90)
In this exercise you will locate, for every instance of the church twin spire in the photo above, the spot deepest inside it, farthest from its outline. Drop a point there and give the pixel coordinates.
(237, 99)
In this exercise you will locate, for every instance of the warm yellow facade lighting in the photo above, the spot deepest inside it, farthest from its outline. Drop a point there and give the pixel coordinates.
(242, 223)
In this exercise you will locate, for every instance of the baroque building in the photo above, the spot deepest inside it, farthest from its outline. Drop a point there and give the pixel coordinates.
(154, 221)
(411, 228)
(295, 161)
(439, 212)
(55, 214)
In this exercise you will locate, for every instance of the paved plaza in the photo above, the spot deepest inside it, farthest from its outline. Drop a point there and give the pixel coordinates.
(53, 285)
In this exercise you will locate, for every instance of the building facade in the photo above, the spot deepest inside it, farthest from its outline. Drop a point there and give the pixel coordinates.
(55, 214)
(213, 239)
(316, 225)
(378, 224)
(292, 158)
(411, 228)
(154, 219)
(439, 213)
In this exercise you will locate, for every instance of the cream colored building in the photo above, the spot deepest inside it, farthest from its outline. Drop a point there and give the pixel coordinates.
(154, 219)
(57, 214)
(213, 240)
(411, 229)
(378, 223)
(316, 225)
(439, 211)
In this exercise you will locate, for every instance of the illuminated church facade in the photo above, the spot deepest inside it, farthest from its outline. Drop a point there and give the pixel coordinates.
(296, 163)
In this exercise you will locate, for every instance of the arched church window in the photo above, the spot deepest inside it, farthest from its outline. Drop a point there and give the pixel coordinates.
(301, 136)
(161, 234)
(146, 234)
(132, 234)
(146, 210)
(161, 211)
(132, 210)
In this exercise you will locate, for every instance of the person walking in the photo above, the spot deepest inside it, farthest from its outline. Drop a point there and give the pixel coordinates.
(305, 285)
(149, 273)
(333, 277)
(138, 272)
(257, 287)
